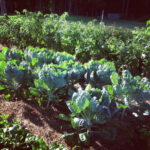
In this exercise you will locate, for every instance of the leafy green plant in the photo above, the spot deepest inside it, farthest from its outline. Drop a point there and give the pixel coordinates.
(98, 72)
(93, 40)
(36, 57)
(88, 107)
(51, 81)
(94, 91)
(14, 136)
(131, 90)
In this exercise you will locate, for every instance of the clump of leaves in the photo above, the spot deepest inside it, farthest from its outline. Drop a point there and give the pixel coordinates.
(14, 136)
(131, 90)
(98, 72)
(89, 107)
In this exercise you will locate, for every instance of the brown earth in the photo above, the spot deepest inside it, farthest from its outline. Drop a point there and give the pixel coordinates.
(1, 46)
(44, 123)
(10, 46)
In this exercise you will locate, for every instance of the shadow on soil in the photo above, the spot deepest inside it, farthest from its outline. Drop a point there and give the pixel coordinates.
(127, 134)
(38, 115)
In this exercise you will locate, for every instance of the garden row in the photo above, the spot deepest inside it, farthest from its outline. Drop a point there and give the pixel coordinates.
(93, 40)
(93, 92)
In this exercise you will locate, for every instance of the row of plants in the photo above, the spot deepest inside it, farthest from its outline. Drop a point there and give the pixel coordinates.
(93, 92)
(14, 136)
(93, 40)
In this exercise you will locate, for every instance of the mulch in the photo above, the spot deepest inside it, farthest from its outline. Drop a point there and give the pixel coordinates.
(43, 122)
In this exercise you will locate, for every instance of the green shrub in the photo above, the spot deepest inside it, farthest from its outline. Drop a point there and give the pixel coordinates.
(93, 40)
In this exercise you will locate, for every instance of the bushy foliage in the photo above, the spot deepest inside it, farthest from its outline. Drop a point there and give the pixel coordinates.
(14, 136)
(50, 75)
(38, 71)
(93, 40)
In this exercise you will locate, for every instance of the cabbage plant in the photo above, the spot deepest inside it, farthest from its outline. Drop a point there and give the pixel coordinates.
(98, 72)
(131, 90)
(37, 57)
(93, 107)
(90, 106)
(50, 80)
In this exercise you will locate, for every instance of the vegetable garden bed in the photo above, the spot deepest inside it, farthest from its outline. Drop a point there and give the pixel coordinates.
(130, 47)
(98, 113)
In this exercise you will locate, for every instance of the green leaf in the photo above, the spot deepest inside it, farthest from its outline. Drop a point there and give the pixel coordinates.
(74, 108)
(148, 23)
(2, 56)
(84, 104)
(74, 124)
(114, 78)
(34, 91)
(110, 89)
(40, 141)
(4, 117)
(2, 87)
(5, 49)
(41, 84)
(7, 96)
(89, 87)
(122, 106)
(33, 147)
(34, 61)
(2, 123)
(63, 117)
(2, 67)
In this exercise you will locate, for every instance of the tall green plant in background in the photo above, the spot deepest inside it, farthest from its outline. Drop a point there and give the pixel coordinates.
(86, 41)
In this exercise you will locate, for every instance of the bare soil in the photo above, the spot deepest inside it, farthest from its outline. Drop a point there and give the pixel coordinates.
(44, 123)
(9, 46)
(1, 46)
(41, 122)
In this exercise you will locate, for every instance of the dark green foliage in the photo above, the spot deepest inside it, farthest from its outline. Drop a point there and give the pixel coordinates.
(14, 136)
(39, 72)
(93, 40)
